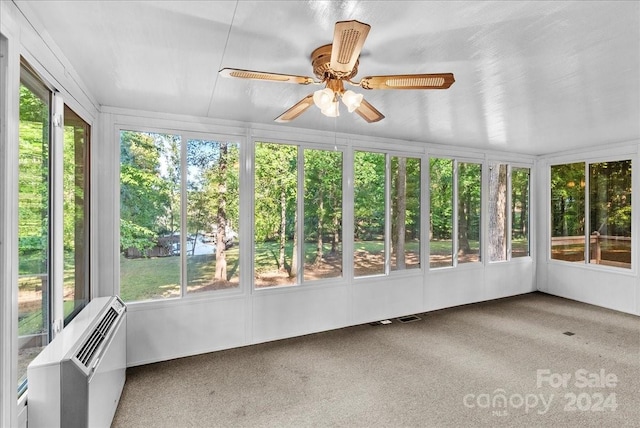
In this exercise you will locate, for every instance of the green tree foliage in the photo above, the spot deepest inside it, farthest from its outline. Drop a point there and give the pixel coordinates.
(610, 198)
(369, 195)
(441, 173)
(323, 199)
(213, 194)
(149, 188)
(33, 182)
(405, 205)
(275, 195)
(567, 199)
(469, 205)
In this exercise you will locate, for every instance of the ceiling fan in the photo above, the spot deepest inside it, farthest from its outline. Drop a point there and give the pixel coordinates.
(336, 64)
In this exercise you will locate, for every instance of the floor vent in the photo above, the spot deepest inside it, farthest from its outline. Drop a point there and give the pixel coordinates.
(383, 322)
(409, 318)
(568, 333)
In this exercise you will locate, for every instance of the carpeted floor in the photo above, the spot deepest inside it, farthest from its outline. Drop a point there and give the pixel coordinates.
(506, 362)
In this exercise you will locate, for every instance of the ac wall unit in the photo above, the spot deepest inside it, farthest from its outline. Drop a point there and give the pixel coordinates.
(76, 381)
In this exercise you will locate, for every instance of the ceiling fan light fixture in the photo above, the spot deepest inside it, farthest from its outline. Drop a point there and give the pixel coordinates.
(352, 100)
(323, 98)
(332, 110)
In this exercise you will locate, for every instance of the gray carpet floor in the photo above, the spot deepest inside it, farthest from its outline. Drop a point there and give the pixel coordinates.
(508, 362)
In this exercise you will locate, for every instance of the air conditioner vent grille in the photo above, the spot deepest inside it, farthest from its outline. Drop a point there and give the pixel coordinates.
(97, 336)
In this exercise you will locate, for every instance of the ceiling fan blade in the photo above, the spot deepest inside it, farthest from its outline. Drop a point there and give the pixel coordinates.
(262, 75)
(348, 39)
(295, 111)
(369, 112)
(408, 81)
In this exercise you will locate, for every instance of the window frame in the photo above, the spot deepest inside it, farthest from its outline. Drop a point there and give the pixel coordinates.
(56, 320)
(586, 264)
(185, 136)
(509, 220)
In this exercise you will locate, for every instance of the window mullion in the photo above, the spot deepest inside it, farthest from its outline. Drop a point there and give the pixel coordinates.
(387, 215)
(56, 225)
(454, 220)
(587, 226)
(183, 215)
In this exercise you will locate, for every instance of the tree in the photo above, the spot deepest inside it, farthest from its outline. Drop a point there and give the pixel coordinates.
(213, 194)
(147, 196)
(400, 204)
(323, 199)
(497, 212)
(469, 187)
(221, 218)
(275, 197)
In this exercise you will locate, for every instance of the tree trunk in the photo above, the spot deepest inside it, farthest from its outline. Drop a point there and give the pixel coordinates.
(463, 234)
(335, 222)
(320, 227)
(401, 213)
(221, 235)
(283, 227)
(294, 252)
(498, 212)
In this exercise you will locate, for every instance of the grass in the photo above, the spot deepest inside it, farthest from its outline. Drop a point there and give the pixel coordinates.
(31, 322)
(159, 277)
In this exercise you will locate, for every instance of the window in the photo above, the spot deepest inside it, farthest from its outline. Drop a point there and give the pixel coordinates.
(441, 215)
(322, 214)
(276, 214)
(520, 212)
(34, 205)
(567, 212)
(386, 234)
(598, 228)
(212, 245)
(76, 213)
(469, 207)
(405, 213)
(498, 212)
(508, 213)
(610, 213)
(176, 214)
(149, 215)
(369, 213)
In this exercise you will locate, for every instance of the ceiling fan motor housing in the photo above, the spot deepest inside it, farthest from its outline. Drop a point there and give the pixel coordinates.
(321, 59)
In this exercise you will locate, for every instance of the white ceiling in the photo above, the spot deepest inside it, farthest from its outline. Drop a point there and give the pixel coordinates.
(532, 77)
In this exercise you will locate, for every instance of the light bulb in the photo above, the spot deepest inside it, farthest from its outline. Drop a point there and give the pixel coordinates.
(323, 98)
(352, 100)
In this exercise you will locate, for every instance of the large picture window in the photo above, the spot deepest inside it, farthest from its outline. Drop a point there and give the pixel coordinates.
(149, 215)
(591, 213)
(520, 182)
(276, 214)
(322, 214)
(469, 208)
(178, 219)
(508, 212)
(441, 216)
(567, 212)
(405, 213)
(212, 244)
(34, 207)
(610, 213)
(369, 213)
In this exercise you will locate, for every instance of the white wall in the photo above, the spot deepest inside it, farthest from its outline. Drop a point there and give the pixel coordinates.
(613, 288)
